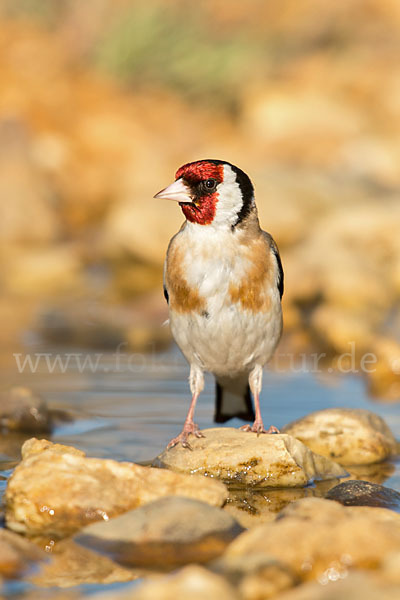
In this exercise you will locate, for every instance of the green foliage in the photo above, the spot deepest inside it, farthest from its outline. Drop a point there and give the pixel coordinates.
(46, 11)
(157, 44)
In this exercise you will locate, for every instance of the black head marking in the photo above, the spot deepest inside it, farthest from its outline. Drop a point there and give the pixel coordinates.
(246, 188)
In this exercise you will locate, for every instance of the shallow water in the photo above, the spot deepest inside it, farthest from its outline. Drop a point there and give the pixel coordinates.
(131, 406)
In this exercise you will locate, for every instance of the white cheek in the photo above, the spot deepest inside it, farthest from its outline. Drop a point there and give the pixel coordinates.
(229, 199)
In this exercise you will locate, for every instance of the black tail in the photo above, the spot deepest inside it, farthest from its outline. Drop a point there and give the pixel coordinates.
(233, 399)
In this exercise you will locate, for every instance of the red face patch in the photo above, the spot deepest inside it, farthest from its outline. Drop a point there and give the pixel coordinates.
(202, 210)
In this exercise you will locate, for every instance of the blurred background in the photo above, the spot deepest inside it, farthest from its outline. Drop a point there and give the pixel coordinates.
(101, 102)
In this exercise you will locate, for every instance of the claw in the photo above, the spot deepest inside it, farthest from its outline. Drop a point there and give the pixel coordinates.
(182, 438)
(258, 428)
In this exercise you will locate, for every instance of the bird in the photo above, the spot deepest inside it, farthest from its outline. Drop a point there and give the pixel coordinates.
(223, 282)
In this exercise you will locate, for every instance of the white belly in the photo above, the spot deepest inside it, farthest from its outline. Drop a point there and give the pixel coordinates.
(223, 337)
(229, 341)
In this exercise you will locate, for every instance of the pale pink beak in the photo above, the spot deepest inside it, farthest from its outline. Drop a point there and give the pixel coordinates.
(177, 191)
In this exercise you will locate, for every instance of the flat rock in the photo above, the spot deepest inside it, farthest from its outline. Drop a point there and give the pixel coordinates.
(364, 493)
(314, 535)
(348, 436)
(194, 582)
(246, 459)
(57, 490)
(22, 410)
(17, 555)
(166, 533)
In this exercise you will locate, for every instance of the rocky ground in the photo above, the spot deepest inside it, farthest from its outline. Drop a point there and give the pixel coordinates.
(189, 524)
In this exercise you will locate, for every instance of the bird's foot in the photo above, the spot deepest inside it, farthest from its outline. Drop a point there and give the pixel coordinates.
(182, 438)
(258, 427)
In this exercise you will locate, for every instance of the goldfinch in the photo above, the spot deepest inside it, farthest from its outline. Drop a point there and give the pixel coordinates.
(223, 281)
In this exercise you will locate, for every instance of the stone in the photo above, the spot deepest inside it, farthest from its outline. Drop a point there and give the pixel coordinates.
(257, 576)
(315, 536)
(57, 490)
(245, 459)
(348, 436)
(163, 534)
(24, 411)
(354, 586)
(194, 582)
(364, 493)
(69, 564)
(17, 555)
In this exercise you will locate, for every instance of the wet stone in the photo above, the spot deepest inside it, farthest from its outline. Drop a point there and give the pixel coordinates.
(57, 490)
(23, 411)
(321, 539)
(348, 436)
(17, 555)
(164, 534)
(364, 493)
(245, 459)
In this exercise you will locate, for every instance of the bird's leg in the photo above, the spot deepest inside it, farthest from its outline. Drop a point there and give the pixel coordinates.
(196, 380)
(255, 382)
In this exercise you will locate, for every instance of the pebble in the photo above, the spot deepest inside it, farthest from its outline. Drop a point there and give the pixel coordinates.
(364, 493)
(348, 436)
(163, 534)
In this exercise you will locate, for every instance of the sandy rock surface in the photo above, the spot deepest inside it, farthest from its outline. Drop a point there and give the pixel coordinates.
(364, 493)
(166, 533)
(313, 536)
(58, 490)
(244, 458)
(348, 436)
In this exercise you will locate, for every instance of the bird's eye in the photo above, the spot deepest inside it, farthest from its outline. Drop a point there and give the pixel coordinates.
(210, 184)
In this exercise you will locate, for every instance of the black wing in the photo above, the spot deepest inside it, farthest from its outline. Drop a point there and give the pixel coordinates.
(166, 295)
(275, 251)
